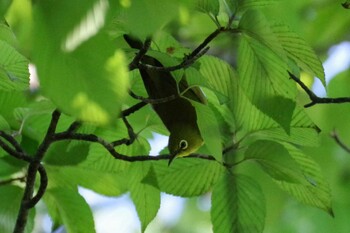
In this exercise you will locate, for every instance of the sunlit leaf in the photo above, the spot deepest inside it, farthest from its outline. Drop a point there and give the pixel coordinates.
(263, 76)
(132, 18)
(72, 208)
(146, 197)
(219, 75)
(299, 51)
(186, 177)
(238, 205)
(14, 74)
(95, 71)
(70, 177)
(6, 34)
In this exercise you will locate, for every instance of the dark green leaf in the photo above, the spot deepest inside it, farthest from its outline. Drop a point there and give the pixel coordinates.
(67, 153)
(209, 128)
(317, 191)
(276, 161)
(4, 125)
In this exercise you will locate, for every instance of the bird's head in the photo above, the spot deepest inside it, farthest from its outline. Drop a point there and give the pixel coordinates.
(184, 141)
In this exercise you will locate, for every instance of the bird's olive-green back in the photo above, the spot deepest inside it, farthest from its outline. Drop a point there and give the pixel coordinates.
(178, 115)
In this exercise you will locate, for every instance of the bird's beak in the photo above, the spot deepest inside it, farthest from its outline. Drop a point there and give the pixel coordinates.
(173, 155)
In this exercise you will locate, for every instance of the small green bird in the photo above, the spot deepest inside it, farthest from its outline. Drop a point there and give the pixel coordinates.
(178, 115)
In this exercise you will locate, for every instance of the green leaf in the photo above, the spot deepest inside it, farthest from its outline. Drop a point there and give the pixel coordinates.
(208, 6)
(209, 128)
(276, 161)
(6, 34)
(250, 120)
(186, 177)
(255, 25)
(302, 130)
(238, 205)
(132, 17)
(72, 209)
(35, 119)
(262, 68)
(95, 71)
(146, 197)
(4, 5)
(299, 51)
(14, 74)
(65, 153)
(219, 75)
(10, 199)
(280, 109)
(4, 125)
(166, 43)
(263, 77)
(249, 4)
(105, 183)
(317, 191)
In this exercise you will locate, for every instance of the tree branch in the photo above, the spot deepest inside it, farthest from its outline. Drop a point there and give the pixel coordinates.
(42, 188)
(27, 201)
(314, 98)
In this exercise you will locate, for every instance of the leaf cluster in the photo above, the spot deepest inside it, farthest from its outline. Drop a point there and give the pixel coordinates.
(81, 128)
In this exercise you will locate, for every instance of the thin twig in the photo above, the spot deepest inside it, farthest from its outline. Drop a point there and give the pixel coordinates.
(11, 180)
(18, 152)
(132, 135)
(136, 61)
(74, 126)
(340, 143)
(314, 98)
(133, 109)
(188, 61)
(153, 101)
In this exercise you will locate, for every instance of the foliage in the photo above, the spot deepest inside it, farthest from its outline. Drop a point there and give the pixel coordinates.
(81, 127)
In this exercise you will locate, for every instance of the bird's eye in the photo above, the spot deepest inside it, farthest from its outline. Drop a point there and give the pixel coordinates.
(183, 144)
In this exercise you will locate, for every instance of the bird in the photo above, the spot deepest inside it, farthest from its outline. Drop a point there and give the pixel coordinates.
(178, 114)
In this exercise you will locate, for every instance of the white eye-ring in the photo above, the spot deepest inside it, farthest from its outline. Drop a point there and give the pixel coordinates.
(183, 144)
